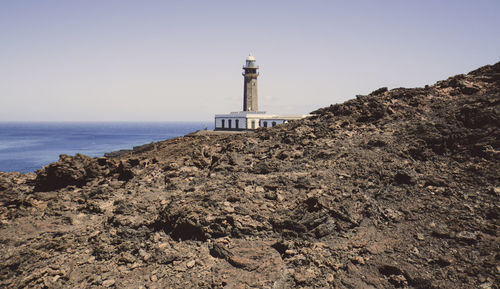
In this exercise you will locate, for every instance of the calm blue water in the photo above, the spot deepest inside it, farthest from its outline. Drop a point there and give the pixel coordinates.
(26, 147)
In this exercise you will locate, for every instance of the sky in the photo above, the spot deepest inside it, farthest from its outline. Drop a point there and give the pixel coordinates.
(182, 60)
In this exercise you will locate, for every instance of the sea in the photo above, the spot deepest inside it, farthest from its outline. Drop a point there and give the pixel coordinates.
(28, 146)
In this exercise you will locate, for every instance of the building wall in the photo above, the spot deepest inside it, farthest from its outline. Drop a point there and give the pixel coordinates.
(252, 123)
(240, 121)
(271, 122)
(245, 120)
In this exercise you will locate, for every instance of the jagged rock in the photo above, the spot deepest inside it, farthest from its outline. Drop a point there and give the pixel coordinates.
(395, 189)
(72, 170)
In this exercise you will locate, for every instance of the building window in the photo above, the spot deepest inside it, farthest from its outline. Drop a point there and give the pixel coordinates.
(274, 123)
(228, 123)
(237, 123)
(223, 121)
(265, 124)
(253, 124)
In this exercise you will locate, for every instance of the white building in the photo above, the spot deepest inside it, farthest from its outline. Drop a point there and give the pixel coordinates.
(250, 118)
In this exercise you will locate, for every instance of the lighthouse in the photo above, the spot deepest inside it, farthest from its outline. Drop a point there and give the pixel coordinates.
(250, 117)
(250, 75)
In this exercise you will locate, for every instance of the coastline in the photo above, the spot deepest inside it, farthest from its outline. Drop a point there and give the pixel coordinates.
(28, 146)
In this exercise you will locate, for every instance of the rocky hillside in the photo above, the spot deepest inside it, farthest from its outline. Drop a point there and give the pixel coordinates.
(396, 189)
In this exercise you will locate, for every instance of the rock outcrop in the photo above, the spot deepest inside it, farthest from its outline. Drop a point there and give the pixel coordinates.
(396, 189)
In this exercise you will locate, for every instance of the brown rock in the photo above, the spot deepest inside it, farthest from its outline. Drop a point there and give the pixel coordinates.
(396, 189)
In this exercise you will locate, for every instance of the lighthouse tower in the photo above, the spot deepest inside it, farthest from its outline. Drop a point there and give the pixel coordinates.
(250, 87)
(251, 118)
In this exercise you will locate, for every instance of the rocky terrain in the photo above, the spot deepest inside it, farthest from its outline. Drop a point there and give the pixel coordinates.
(396, 189)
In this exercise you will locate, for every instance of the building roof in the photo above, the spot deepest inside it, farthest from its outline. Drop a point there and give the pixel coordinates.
(260, 115)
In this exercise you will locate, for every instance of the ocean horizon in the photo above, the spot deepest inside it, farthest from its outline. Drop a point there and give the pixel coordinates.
(28, 146)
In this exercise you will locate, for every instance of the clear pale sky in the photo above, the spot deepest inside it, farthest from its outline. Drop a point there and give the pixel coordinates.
(181, 60)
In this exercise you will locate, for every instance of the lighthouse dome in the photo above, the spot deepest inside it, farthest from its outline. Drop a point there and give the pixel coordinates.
(250, 63)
